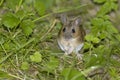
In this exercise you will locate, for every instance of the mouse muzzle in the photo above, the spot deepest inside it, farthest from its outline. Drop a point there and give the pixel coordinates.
(67, 36)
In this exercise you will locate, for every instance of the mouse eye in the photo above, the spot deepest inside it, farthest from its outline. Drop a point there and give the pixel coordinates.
(64, 29)
(73, 30)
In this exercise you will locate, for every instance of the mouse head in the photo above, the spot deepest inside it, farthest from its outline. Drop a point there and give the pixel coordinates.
(70, 29)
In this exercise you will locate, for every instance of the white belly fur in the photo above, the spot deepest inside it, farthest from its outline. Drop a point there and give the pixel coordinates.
(70, 46)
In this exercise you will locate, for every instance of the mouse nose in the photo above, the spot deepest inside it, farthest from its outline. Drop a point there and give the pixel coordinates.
(68, 36)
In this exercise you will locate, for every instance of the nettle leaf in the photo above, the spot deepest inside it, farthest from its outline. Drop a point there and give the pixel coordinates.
(97, 21)
(36, 57)
(105, 9)
(114, 6)
(95, 30)
(106, 17)
(12, 4)
(99, 1)
(88, 45)
(25, 66)
(96, 40)
(21, 14)
(103, 35)
(10, 20)
(27, 27)
(91, 38)
(99, 25)
(110, 28)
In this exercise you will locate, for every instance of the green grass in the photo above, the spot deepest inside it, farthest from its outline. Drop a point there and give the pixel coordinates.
(28, 46)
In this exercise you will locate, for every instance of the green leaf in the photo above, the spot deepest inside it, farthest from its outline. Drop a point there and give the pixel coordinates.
(106, 17)
(98, 25)
(114, 6)
(96, 40)
(110, 28)
(97, 22)
(103, 35)
(21, 14)
(25, 66)
(27, 27)
(92, 38)
(89, 37)
(10, 20)
(87, 45)
(12, 4)
(36, 57)
(106, 8)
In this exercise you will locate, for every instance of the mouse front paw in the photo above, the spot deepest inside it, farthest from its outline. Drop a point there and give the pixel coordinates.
(67, 53)
(80, 56)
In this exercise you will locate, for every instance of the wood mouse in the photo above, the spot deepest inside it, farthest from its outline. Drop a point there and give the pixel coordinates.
(71, 36)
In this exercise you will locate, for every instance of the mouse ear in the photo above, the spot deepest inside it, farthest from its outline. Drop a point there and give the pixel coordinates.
(64, 18)
(77, 21)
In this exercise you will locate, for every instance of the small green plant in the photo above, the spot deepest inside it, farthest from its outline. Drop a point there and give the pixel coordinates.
(103, 38)
(36, 57)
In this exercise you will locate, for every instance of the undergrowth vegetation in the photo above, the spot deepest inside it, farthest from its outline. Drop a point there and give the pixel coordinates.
(28, 47)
